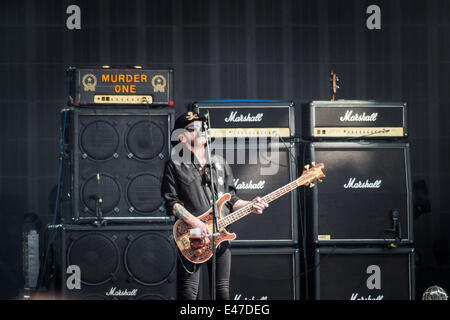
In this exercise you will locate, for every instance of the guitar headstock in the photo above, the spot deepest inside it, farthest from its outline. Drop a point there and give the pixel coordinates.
(312, 173)
(334, 79)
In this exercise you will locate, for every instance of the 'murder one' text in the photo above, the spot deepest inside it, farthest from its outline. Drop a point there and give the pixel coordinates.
(125, 79)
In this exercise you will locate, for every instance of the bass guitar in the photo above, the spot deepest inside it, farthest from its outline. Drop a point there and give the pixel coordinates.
(196, 254)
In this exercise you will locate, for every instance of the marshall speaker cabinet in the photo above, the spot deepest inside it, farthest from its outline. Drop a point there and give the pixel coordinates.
(265, 274)
(120, 86)
(366, 196)
(260, 274)
(115, 262)
(118, 156)
(354, 120)
(259, 169)
(249, 119)
(364, 274)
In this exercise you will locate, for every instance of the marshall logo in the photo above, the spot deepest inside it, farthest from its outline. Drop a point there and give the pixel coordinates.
(352, 184)
(249, 185)
(356, 296)
(113, 292)
(239, 296)
(241, 118)
(350, 117)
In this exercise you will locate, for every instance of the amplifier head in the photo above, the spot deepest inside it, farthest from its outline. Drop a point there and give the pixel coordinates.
(354, 119)
(249, 119)
(121, 86)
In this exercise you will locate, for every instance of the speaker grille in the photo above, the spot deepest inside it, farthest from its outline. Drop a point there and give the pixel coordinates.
(150, 252)
(99, 140)
(263, 273)
(103, 186)
(364, 273)
(138, 191)
(364, 183)
(117, 262)
(145, 140)
(118, 155)
(258, 172)
(97, 256)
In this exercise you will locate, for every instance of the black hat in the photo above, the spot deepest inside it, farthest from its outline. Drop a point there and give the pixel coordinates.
(186, 118)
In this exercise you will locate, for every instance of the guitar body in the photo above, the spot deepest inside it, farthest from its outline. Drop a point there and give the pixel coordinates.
(181, 235)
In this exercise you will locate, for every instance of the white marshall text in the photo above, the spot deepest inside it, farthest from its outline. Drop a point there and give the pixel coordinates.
(352, 184)
(113, 292)
(356, 296)
(241, 118)
(350, 117)
(249, 185)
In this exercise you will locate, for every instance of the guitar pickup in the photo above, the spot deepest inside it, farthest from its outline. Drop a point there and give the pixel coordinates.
(186, 243)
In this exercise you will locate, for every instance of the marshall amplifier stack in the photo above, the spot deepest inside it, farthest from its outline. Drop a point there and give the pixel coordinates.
(114, 233)
(255, 138)
(360, 218)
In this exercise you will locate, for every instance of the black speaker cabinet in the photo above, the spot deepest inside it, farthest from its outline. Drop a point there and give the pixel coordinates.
(117, 155)
(265, 274)
(115, 262)
(259, 169)
(260, 274)
(364, 274)
(366, 196)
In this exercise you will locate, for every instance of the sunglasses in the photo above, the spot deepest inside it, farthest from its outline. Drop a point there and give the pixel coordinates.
(193, 127)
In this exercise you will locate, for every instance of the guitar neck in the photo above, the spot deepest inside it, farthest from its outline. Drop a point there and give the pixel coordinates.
(246, 210)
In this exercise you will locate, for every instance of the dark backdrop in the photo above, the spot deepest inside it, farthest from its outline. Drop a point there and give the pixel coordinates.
(224, 49)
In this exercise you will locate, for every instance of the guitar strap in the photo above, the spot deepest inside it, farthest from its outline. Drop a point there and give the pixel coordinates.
(219, 178)
(218, 164)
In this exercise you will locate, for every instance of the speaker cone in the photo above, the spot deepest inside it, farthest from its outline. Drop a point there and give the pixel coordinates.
(97, 256)
(150, 259)
(145, 140)
(144, 193)
(99, 140)
(103, 186)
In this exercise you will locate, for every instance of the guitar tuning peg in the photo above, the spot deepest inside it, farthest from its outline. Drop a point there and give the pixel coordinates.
(311, 185)
(307, 166)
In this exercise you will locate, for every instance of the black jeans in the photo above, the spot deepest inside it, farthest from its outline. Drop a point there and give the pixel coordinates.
(189, 275)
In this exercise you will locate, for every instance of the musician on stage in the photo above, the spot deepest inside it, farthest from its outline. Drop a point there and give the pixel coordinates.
(186, 189)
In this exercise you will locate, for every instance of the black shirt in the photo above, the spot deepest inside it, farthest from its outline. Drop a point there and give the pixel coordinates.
(185, 183)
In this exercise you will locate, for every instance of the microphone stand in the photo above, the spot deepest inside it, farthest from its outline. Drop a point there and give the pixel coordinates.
(215, 210)
(98, 211)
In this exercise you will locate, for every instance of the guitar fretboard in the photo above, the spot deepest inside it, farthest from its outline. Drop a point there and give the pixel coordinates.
(244, 211)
